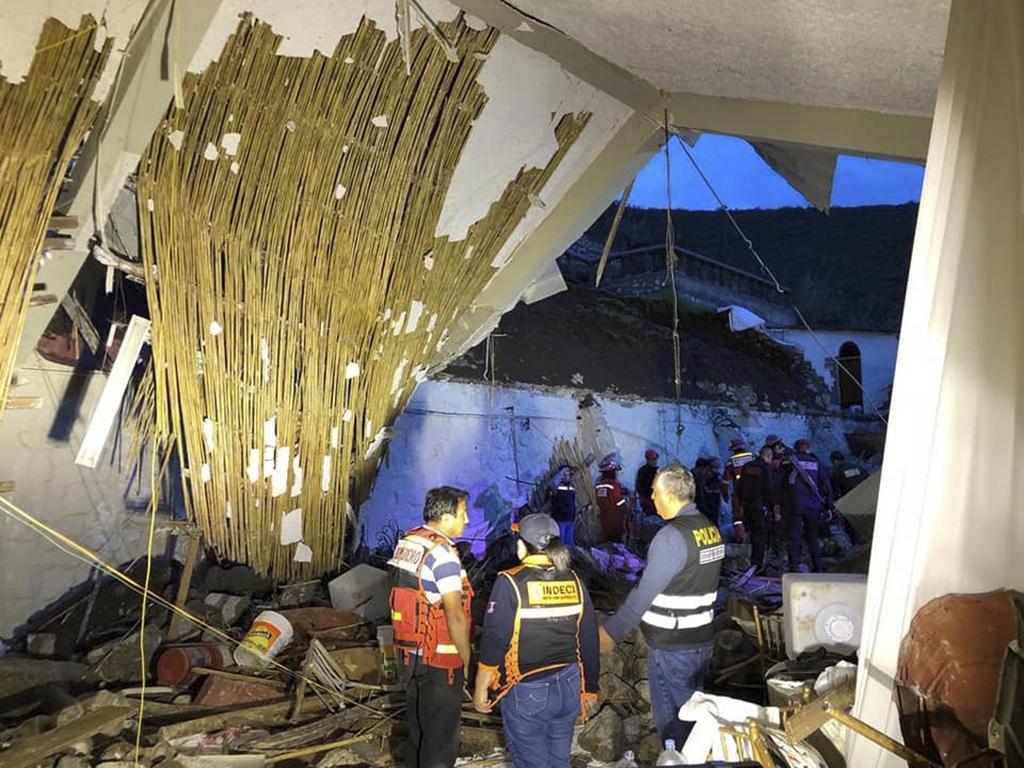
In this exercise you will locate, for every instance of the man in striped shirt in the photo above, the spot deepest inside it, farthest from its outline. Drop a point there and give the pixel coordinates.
(430, 616)
(674, 603)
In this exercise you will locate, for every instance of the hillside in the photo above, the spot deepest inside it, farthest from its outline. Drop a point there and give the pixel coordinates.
(844, 270)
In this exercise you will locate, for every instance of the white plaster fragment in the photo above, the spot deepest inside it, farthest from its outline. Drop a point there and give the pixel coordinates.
(252, 470)
(428, 260)
(432, 323)
(347, 415)
(352, 370)
(270, 432)
(380, 121)
(216, 329)
(339, 191)
(474, 23)
(211, 153)
(150, 206)
(349, 60)
(325, 475)
(387, 313)
(291, 527)
(524, 27)
(378, 441)
(297, 481)
(344, 149)
(204, 473)
(469, 252)
(268, 462)
(208, 434)
(290, 126)
(230, 141)
(396, 379)
(415, 312)
(399, 324)
(199, 362)
(536, 200)
(279, 480)
(176, 138)
(235, 168)
(303, 553)
(419, 373)
(368, 426)
(334, 438)
(227, 509)
(265, 359)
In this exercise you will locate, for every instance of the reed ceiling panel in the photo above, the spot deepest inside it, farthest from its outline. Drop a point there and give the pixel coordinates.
(42, 121)
(287, 213)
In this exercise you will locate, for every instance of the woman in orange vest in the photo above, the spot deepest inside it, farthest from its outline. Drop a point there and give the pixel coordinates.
(539, 649)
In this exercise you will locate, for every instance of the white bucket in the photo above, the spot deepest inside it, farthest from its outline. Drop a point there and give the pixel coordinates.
(269, 633)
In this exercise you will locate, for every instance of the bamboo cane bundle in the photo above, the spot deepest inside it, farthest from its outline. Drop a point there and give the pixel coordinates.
(42, 122)
(288, 211)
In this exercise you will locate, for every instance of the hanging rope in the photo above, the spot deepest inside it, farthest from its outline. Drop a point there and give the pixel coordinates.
(778, 286)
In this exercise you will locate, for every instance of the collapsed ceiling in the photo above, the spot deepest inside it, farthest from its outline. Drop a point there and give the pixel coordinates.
(335, 198)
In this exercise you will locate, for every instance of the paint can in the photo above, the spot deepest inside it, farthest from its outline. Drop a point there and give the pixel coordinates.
(175, 664)
(269, 633)
(388, 662)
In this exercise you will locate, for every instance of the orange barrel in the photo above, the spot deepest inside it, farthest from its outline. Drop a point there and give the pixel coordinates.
(176, 663)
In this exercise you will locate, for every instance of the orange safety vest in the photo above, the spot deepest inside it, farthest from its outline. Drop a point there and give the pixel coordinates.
(420, 626)
(554, 609)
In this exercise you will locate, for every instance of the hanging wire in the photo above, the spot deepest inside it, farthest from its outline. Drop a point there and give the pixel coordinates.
(670, 266)
(778, 287)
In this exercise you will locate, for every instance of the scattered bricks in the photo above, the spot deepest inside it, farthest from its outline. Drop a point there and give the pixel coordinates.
(603, 737)
(41, 644)
(119, 661)
(218, 691)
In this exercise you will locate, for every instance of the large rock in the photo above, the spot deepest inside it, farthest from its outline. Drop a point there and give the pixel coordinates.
(26, 684)
(615, 690)
(649, 748)
(119, 661)
(604, 736)
(239, 580)
(615, 661)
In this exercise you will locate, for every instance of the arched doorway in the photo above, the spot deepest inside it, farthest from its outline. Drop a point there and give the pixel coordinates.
(851, 391)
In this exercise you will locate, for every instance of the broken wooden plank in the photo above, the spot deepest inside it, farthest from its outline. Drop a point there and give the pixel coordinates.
(8, 486)
(174, 631)
(321, 748)
(294, 738)
(42, 299)
(58, 243)
(58, 223)
(38, 748)
(24, 401)
(267, 714)
(82, 321)
(200, 671)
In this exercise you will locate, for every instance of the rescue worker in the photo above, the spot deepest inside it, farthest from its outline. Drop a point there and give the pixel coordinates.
(733, 466)
(779, 450)
(612, 504)
(845, 475)
(430, 613)
(809, 495)
(755, 497)
(563, 504)
(674, 601)
(539, 649)
(645, 481)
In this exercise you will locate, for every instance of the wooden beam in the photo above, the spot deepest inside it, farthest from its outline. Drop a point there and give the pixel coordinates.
(174, 630)
(35, 750)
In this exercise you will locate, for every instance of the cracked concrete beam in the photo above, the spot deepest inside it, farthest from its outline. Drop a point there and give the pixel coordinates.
(134, 108)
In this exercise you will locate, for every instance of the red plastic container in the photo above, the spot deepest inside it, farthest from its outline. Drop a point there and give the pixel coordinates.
(175, 663)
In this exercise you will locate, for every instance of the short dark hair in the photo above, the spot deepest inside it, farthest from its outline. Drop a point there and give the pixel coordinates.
(441, 501)
(675, 479)
(836, 456)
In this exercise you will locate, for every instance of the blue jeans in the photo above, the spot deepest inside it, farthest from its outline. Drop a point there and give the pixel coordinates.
(674, 676)
(538, 715)
(566, 531)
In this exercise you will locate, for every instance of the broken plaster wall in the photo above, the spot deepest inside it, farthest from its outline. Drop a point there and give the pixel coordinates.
(877, 357)
(497, 442)
(96, 508)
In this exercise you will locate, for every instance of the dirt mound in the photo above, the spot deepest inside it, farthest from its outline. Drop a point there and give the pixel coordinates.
(586, 339)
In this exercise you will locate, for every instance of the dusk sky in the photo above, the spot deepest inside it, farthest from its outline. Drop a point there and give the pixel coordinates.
(744, 180)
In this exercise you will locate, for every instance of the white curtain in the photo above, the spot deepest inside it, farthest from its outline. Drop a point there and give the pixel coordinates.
(951, 504)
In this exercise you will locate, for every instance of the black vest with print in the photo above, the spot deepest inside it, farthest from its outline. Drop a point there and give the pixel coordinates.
(550, 608)
(682, 614)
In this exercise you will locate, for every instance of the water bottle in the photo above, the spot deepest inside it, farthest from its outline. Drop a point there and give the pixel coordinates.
(669, 755)
(628, 760)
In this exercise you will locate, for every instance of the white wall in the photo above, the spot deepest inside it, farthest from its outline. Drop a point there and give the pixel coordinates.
(473, 437)
(877, 357)
(93, 507)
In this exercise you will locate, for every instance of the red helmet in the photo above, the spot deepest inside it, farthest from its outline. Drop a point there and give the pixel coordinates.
(772, 440)
(651, 455)
(803, 445)
(737, 442)
(608, 465)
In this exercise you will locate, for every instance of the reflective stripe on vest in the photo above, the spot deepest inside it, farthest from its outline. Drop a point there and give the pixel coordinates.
(685, 602)
(690, 621)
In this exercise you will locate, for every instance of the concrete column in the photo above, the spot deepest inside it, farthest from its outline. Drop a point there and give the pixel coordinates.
(949, 513)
